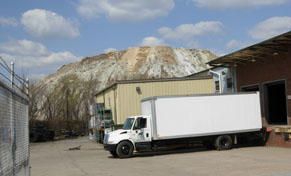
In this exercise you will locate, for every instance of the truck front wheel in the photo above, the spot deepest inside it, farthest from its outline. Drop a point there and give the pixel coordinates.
(124, 149)
(223, 142)
(113, 153)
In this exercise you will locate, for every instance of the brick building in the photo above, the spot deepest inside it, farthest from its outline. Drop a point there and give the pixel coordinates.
(266, 67)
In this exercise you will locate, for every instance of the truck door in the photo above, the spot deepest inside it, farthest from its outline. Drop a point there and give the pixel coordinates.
(141, 130)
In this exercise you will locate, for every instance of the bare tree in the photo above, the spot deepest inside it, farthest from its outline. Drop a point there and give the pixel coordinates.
(66, 105)
(33, 102)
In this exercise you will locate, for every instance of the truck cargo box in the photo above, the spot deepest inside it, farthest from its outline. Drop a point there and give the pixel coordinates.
(203, 115)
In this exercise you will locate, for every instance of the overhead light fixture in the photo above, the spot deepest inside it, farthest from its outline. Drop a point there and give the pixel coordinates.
(138, 90)
(275, 53)
(253, 60)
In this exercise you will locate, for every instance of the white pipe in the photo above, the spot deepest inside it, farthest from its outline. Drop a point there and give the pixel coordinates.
(219, 78)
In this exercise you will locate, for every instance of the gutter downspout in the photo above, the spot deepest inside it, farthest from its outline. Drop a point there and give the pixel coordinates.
(219, 78)
(115, 108)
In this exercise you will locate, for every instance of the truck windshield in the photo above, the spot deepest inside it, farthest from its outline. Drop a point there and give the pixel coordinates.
(128, 124)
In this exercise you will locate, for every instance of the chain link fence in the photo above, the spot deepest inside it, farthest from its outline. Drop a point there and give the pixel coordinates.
(14, 130)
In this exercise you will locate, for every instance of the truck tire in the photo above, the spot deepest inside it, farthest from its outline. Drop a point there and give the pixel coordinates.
(124, 149)
(113, 153)
(51, 136)
(223, 142)
(33, 136)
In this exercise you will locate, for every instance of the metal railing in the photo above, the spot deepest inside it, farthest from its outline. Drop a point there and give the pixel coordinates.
(14, 126)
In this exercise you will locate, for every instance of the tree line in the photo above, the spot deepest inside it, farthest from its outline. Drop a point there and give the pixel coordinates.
(63, 106)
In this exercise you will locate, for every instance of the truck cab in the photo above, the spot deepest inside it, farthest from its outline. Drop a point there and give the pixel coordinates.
(135, 135)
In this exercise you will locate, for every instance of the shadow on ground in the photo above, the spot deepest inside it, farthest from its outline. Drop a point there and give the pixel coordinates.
(182, 150)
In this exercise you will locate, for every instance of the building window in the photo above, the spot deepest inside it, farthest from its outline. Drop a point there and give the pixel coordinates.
(217, 86)
(229, 83)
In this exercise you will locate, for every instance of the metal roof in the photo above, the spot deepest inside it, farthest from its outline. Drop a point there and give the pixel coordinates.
(153, 80)
(257, 51)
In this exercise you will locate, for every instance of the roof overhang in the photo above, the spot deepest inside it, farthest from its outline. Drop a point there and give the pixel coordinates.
(254, 52)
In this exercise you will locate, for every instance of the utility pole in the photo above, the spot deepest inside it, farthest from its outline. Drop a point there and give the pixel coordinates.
(68, 115)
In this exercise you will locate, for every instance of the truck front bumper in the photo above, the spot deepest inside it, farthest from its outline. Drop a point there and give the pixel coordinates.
(110, 147)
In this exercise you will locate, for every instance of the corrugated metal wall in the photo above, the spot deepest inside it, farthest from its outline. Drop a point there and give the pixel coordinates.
(128, 98)
(100, 98)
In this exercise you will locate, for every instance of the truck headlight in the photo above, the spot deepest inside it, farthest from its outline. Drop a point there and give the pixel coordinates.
(110, 142)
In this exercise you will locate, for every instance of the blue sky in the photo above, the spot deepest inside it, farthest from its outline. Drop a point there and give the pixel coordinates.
(40, 36)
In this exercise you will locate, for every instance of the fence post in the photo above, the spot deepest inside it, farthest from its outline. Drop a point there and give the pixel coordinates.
(27, 86)
(12, 120)
(27, 92)
(12, 75)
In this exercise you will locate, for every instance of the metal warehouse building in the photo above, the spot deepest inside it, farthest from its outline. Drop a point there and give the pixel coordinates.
(266, 67)
(123, 97)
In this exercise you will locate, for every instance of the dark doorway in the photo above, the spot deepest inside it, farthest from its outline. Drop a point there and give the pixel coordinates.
(275, 103)
(252, 88)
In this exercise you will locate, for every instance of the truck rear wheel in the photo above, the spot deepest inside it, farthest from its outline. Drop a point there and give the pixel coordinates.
(124, 149)
(223, 142)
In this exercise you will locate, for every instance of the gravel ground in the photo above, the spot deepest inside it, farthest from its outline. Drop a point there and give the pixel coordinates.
(55, 159)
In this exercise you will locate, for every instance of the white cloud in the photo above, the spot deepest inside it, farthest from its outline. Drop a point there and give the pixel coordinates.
(24, 48)
(8, 21)
(152, 41)
(237, 4)
(187, 31)
(40, 58)
(184, 35)
(270, 28)
(108, 50)
(218, 52)
(125, 11)
(45, 24)
(235, 44)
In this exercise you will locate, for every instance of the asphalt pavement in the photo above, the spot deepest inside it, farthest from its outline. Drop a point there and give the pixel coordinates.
(89, 158)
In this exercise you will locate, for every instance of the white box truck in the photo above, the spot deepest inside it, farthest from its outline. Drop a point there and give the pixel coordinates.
(214, 119)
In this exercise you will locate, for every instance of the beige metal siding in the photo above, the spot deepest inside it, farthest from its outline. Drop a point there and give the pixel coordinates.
(128, 99)
(107, 97)
(100, 98)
